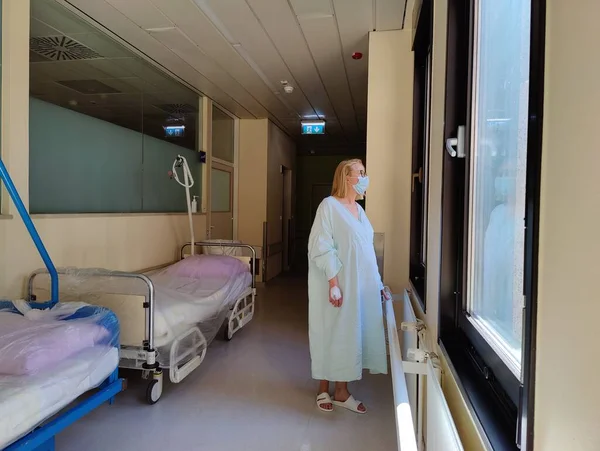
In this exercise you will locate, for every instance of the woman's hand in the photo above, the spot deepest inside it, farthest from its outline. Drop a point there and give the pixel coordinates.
(335, 293)
(385, 294)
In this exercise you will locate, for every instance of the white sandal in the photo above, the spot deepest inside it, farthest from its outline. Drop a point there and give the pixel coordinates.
(350, 404)
(323, 399)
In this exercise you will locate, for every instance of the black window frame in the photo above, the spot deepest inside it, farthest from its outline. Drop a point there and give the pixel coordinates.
(423, 51)
(503, 404)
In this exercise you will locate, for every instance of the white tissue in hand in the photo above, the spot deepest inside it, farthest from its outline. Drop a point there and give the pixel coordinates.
(335, 293)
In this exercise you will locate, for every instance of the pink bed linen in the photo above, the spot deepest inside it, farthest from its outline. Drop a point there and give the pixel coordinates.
(28, 346)
(208, 266)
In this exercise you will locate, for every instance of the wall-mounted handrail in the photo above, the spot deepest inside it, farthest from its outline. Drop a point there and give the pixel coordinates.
(16, 198)
(405, 428)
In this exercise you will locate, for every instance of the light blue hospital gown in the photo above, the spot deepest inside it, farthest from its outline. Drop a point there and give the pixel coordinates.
(348, 339)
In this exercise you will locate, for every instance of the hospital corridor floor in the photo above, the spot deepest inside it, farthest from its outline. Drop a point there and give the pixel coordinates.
(254, 393)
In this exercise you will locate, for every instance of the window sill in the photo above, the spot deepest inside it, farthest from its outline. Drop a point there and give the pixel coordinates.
(5, 217)
(104, 215)
(492, 424)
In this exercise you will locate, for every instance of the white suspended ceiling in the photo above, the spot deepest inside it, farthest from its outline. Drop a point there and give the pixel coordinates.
(237, 52)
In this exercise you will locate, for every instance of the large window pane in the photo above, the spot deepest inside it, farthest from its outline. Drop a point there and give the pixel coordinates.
(498, 167)
(222, 136)
(105, 125)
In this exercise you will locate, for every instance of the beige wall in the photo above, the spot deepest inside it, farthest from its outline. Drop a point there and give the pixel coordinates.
(252, 184)
(389, 144)
(122, 242)
(263, 149)
(567, 393)
(281, 152)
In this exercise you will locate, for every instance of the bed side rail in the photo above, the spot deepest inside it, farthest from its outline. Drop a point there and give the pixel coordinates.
(226, 244)
(150, 304)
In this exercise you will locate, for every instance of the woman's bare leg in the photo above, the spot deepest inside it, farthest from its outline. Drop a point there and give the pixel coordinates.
(342, 394)
(324, 388)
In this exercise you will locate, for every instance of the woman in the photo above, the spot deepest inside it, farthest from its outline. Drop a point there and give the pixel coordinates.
(344, 292)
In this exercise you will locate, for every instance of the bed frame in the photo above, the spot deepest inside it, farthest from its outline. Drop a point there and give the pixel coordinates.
(136, 316)
(43, 437)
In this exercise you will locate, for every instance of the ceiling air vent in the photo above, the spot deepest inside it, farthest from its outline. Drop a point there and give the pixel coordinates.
(61, 48)
(177, 109)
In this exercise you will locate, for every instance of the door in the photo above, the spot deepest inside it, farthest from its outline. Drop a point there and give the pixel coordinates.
(221, 195)
(287, 218)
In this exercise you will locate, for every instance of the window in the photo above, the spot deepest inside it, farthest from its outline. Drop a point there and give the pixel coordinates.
(105, 125)
(491, 192)
(420, 161)
(221, 187)
(223, 135)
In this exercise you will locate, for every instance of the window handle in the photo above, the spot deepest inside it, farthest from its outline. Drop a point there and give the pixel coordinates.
(456, 146)
(419, 176)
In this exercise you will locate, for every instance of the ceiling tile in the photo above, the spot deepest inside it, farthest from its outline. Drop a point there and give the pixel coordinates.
(142, 12)
(188, 17)
(175, 40)
(355, 21)
(312, 8)
(389, 14)
(280, 23)
(123, 27)
(331, 67)
(246, 29)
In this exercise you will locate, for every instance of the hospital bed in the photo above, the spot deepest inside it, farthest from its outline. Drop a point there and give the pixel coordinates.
(168, 319)
(50, 355)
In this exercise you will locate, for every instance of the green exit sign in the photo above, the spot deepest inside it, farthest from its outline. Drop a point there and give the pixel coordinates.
(313, 128)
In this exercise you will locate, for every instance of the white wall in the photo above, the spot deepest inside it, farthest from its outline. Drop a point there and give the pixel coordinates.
(567, 391)
(123, 242)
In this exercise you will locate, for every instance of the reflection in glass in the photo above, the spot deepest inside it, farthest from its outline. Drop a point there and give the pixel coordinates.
(102, 121)
(498, 169)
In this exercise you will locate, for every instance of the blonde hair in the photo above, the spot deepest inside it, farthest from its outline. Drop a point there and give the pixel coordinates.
(340, 187)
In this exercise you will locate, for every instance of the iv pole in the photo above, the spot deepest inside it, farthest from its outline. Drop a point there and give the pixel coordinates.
(188, 182)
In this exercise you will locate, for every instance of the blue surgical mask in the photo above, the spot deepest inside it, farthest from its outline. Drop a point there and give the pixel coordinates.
(362, 185)
(504, 186)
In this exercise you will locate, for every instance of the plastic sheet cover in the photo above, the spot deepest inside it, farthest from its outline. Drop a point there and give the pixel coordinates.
(49, 356)
(188, 311)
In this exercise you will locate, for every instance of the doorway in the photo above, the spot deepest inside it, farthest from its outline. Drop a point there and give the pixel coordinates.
(221, 201)
(287, 222)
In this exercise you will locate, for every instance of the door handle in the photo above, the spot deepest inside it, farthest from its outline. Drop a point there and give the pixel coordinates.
(419, 176)
(456, 146)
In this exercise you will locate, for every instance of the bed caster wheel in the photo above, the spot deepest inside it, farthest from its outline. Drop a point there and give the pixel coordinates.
(153, 392)
(227, 334)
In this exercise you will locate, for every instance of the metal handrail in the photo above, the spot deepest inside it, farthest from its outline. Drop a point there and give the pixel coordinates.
(90, 272)
(227, 244)
(405, 428)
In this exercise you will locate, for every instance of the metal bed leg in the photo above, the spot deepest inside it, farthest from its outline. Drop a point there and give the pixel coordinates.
(111, 379)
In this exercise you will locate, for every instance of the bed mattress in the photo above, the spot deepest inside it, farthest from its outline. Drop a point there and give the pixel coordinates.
(27, 401)
(182, 302)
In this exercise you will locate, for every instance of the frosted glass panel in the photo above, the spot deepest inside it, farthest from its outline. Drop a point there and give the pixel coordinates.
(220, 184)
